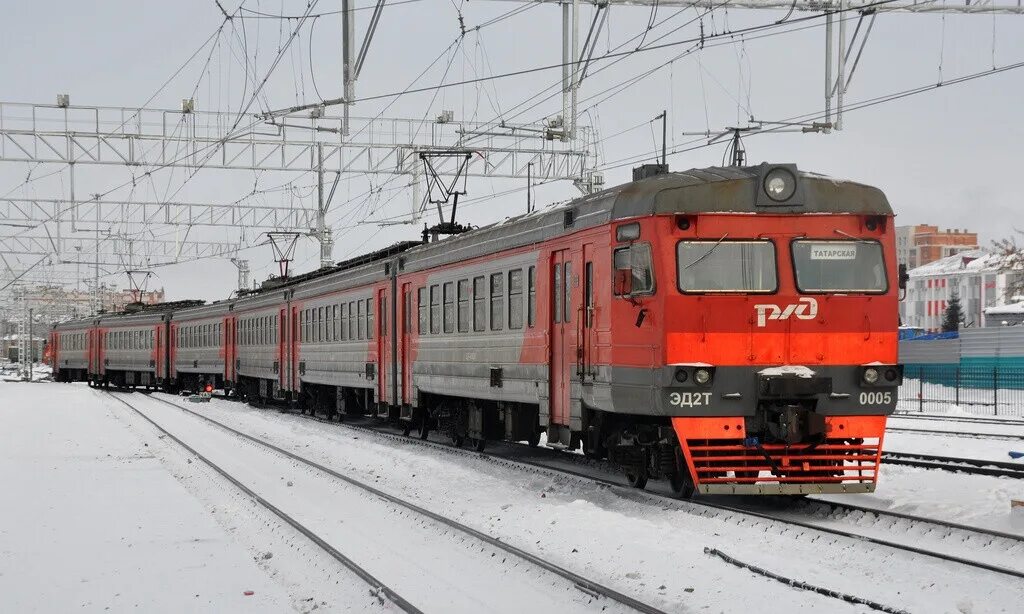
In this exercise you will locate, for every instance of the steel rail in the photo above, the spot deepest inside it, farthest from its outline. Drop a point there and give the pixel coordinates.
(959, 418)
(661, 499)
(972, 466)
(901, 429)
(354, 567)
(588, 586)
(904, 516)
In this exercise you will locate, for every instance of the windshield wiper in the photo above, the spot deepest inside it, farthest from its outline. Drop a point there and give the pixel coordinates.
(708, 253)
(849, 236)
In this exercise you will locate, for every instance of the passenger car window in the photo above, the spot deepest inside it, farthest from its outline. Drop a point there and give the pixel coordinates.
(479, 304)
(421, 305)
(449, 307)
(497, 301)
(435, 310)
(515, 299)
(726, 266)
(463, 299)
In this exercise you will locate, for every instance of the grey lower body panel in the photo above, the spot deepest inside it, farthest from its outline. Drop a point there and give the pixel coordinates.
(344, 379)
(733, 391)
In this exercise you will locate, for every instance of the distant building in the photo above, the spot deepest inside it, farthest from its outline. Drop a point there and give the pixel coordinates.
(922, 244)
(1011, 314)
(9, 347)
(977, 275)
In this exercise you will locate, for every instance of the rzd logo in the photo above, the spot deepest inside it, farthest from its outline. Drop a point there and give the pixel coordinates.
(805, 309)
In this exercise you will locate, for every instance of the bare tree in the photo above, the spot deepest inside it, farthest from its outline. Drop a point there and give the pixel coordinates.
(1011, 254)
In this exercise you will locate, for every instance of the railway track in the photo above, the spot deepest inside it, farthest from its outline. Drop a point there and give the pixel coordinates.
(900, 429)
(589, 587)
(972, 466)
(577, 466)
(375, 584)
(959, 418)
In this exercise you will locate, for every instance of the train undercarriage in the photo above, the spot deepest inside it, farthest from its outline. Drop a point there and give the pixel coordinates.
(785, 448)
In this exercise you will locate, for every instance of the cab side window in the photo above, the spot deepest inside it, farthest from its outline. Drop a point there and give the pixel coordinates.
(633, 270)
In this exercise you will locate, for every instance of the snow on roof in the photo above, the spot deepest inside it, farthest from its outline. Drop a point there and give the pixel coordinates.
(1013, 308)
(15, 337)
(969, 261)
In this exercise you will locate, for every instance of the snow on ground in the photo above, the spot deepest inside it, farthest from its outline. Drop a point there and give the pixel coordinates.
(644, 550)
(91, 521)
(149, 526)
(423, 561)
(976, 500)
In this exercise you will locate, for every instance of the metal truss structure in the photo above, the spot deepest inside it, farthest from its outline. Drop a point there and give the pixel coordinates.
(150, 139)
(26, 211)
(1008, 7)
(98, 231)
(127, 250)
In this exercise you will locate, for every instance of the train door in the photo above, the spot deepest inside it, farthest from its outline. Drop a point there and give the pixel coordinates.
(227, 350)
(90, 336)
(155, 356)
(283, 339)
(290, 355)
(562, 337)
(585, 320)
(404, 325)
(385, 353)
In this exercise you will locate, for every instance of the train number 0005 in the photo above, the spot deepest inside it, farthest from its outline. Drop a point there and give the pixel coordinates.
(875, 398)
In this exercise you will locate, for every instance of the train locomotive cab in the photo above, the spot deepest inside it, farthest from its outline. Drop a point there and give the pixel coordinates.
(754, 333)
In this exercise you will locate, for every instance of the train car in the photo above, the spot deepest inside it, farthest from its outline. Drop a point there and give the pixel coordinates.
(259, 335)
(732, 330)
(334, 350)
(69, 351)
(200, 355)
(129, 350)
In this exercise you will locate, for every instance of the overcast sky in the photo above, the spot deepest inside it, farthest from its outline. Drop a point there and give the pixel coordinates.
(949, 157)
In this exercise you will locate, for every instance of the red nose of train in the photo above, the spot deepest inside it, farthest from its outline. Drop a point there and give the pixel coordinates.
(209, 388)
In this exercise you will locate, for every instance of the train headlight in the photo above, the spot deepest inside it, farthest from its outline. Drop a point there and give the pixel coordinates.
(870, 375)
(779, 184)
(702, 376)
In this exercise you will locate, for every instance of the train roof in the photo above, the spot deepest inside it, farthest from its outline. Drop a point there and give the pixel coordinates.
(708, 190)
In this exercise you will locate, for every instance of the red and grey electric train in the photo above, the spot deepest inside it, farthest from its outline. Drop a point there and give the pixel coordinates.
(731, 330)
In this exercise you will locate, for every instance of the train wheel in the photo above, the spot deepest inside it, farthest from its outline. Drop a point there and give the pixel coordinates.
(457, 440)
(406, 428)
(637, 478)
(682, 485)
(424, 424)
(680, 481)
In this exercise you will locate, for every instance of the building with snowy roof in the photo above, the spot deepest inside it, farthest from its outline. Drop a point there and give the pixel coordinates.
(978, 276)
(1011, 314)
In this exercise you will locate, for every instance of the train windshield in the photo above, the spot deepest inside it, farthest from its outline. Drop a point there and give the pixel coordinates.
(726, 266)
(839, 266)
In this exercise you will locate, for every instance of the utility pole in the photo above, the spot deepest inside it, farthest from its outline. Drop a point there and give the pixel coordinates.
(348, 68)
(31, 346)
(323, 231)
